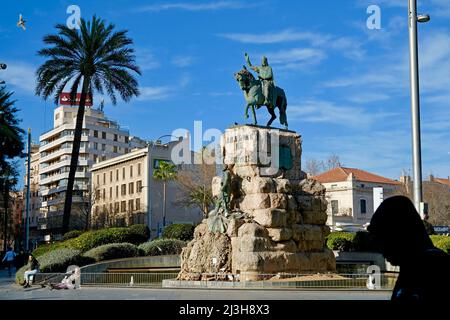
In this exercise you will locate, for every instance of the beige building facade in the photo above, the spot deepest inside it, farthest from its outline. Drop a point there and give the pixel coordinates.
(350, 195)
(123, 186)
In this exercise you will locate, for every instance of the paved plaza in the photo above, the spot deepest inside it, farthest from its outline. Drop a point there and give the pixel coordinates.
(10, 291)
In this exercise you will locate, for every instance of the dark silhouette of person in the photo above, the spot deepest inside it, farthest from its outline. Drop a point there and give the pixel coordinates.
(399, 233)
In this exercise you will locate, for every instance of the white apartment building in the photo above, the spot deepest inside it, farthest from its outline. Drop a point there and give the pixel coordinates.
(101, 139)
(350, 195)
(123, 186)
(35, 200)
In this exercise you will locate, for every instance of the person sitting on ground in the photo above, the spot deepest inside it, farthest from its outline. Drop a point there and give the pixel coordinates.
(33, 268)
(397, 229)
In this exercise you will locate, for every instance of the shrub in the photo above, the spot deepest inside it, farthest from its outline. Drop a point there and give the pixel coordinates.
(141, 231)
(58, 260)
(72, 234)
(160, 247)
(92, 239)
(182, 231)
(441, 242)
(20, 274)
(112, 251)
(342, 241)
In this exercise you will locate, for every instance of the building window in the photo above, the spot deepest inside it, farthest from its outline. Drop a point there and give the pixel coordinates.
(110, 207)
(130, 205)
(95, 146)
(95, 134)
(116, 207)
(123, 173)
(334, 207)
(103, 135)
(115, 149)
(96, 210)
(126, 150)
(139, 186)
(104, 177)
(104, 193)
(362, 206)
(103, 147)
(123, 189)
(139, 169)
(123, 206)
(131, 171)
(117, 174)
(131, 188)
(110, 176)
(110, 192)
(115, 137)
(126, 139)
(138, 204)
(117, 191)
(98, 180)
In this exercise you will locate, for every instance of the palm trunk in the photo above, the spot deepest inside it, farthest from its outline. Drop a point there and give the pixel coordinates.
(75, 154)
(164, 205)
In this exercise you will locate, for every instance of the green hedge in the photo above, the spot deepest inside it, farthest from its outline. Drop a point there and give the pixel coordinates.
(88, 240)
(160, 247)
(182, 231)
(441, 242)
(140, 230)
(72, 234)
(342, 241)
(113, 251)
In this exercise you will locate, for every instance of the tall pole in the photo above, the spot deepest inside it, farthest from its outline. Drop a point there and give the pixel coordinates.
(415, 105)
(27, 215)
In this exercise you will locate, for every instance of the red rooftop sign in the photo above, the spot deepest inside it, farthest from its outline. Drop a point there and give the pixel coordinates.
(64, 99)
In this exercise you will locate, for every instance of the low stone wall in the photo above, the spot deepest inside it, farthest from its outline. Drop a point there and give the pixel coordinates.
(169, 261)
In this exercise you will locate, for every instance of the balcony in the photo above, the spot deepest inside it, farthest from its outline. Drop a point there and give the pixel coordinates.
(61, 176)
(59, 141)
(62, 163)
(59, 153)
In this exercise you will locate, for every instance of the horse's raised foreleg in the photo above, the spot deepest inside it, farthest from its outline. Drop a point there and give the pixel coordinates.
(246, 111)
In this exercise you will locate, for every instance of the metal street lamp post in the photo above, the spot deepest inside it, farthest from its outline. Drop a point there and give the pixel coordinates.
(27, 215)
(413, 18)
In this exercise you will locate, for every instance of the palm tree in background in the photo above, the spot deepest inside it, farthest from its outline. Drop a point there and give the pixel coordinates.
(166, 171)
(95, 57)
(11, 144)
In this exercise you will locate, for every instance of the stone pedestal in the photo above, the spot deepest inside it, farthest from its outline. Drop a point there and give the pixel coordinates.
(283, 229)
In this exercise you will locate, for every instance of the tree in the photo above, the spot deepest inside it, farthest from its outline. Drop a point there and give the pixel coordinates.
(165, 172)
(314, 167)
(11, 144)
(97, 58)
(196, 183)
(333, 162)
(8, 179)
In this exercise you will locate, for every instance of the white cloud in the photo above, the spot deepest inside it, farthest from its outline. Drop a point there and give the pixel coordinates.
(287, 35)
(154, 93)
(188, 6)
(182, 61)
(146, 60)
(20, 75)
(320, 111)
(295, 58)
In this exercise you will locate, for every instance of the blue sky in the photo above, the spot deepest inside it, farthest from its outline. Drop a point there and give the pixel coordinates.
(347, 86)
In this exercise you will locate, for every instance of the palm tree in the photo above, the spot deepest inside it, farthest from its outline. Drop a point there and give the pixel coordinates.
(165, 172)
(98, 58)
(11, 144)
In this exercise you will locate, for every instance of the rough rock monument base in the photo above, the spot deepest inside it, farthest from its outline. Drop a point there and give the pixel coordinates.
(283, 228)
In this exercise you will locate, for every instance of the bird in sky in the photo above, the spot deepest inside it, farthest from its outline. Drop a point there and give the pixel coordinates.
(21, 22)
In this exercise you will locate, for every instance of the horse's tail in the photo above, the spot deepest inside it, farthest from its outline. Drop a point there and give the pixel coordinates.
(283, 107)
